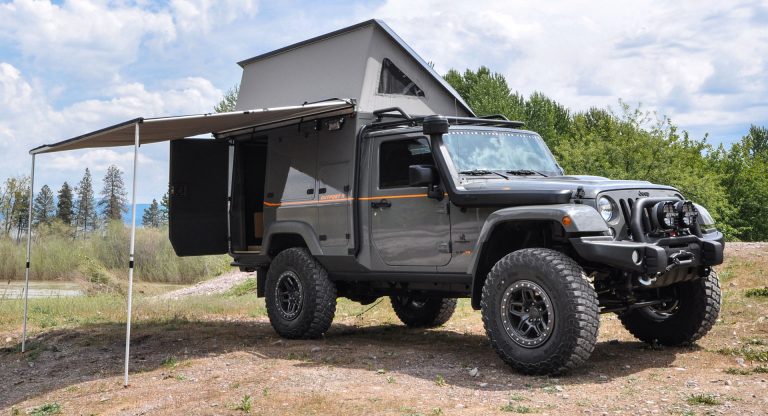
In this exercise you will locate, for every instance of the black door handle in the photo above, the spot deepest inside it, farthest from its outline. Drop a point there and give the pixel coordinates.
(381, 204)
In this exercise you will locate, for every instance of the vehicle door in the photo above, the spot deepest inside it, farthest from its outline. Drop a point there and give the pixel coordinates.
(198, 197)
(407, 227)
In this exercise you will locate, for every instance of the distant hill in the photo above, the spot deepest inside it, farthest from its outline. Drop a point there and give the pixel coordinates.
(139, 212)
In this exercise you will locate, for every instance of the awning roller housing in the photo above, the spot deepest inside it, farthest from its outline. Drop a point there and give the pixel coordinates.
(154, 130)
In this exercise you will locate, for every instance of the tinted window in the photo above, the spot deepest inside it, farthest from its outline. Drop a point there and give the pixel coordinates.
(394, 81)
(396, 156)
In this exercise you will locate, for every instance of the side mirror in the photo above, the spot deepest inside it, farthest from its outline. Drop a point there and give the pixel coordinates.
(421, 175)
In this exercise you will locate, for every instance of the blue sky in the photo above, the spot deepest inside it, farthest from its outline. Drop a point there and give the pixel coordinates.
(69, 67)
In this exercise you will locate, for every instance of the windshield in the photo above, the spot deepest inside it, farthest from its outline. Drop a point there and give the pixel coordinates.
(500, 151)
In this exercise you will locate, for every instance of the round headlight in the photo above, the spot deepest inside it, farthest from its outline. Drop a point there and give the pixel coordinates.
(606, 208)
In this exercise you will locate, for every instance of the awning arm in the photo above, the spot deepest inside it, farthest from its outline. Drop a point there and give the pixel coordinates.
(29, 251)
(130, 256)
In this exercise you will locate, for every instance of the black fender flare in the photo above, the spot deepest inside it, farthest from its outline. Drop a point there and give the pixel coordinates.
(300, 228)
(584, 219)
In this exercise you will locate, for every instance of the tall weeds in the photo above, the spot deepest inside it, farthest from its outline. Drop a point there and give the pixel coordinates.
(57, 256)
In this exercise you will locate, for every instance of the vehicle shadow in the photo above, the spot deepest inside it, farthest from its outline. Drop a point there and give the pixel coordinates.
(60, 358)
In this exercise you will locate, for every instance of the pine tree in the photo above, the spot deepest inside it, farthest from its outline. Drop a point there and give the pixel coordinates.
(85, 207)
(164, 209)
(44, 208)
(64, 204)
(113, 201)
(151, 217)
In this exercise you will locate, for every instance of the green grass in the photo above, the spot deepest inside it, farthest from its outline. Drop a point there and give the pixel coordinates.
(48, 313)
(440, 381)
(738, 371)
(170, 362)
(46, 409)
(755, 341)
(705, 399)
(748, 352)
(246, 404)
(247, 287)
(757, 293)
(760, 369)
(516, 408)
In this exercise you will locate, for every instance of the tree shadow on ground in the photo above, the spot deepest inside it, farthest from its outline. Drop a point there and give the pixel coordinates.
(60, 358)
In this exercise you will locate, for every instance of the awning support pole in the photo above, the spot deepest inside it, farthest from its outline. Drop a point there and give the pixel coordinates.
(130, 256)
(29, 251)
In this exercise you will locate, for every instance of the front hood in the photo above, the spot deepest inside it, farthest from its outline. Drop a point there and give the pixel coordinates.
(591, 185)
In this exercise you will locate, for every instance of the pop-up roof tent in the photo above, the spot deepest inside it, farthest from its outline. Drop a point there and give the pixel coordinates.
(367, 64)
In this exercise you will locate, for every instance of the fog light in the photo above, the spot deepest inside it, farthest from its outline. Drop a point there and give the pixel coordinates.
(636, 257)
(665, 215)
(687, 213)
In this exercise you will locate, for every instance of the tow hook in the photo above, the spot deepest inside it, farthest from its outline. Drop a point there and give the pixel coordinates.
(646, 280)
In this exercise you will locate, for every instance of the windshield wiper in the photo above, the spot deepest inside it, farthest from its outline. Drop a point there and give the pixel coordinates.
(525, 172)
(481, 172)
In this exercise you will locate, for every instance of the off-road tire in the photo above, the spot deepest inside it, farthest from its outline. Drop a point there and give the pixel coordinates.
(696, 313)
(423, 313)
(573, 333)
(318, 300)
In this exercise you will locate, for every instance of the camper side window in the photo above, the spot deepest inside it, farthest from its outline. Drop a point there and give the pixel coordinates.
(395, 156)
(394, 81)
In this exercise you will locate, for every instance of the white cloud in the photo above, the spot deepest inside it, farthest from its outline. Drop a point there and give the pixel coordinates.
(702, 63)
(82, 37)
(31, 121)
(77, 66)
(90, 39)
(201, 15)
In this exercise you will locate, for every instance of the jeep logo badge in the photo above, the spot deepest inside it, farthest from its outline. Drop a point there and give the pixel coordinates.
(641, 193)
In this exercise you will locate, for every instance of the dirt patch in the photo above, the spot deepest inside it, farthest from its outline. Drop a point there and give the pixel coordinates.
(209, 287)
(368, 365)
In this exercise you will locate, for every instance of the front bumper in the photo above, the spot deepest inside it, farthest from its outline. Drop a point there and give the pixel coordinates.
(655, 258)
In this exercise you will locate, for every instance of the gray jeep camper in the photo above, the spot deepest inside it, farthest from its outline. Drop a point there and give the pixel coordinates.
(402, 191)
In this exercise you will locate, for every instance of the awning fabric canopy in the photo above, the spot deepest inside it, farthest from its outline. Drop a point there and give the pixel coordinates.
(160, 129)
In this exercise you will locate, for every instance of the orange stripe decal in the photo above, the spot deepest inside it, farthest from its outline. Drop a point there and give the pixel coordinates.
(324, 199)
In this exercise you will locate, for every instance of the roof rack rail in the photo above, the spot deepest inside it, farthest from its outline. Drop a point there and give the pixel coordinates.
(405, 121)
(495, 117)
(388, 112)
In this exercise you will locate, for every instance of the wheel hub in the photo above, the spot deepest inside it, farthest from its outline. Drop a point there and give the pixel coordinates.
(527, 314)
(289, 295)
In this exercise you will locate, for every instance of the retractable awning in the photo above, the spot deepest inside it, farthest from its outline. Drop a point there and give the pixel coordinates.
(154, 130)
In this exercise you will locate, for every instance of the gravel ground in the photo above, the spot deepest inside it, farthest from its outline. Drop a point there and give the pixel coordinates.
(370, 364)
(209, 287)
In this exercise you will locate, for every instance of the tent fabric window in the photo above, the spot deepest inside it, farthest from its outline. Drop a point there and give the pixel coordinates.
(394, 81)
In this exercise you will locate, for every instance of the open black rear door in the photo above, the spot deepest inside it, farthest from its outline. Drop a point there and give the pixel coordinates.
(198, 197)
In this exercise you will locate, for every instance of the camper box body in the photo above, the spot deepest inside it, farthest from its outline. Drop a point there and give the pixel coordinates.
(296, 178)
